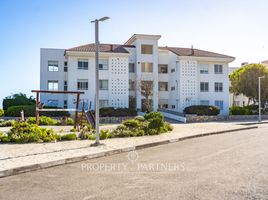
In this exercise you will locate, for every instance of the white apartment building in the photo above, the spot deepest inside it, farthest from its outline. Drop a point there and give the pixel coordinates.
(181, 76)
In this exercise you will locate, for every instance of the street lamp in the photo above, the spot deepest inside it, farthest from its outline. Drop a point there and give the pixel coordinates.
(96, 21)
(260, 97)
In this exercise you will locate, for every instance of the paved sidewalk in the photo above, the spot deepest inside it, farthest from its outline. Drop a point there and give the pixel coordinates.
(18, 158)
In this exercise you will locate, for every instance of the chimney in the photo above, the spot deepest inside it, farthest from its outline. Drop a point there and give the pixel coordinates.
(192, 50)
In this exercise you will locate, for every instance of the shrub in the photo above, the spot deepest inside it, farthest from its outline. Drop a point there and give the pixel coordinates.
(44, 120)
(121, 131)
(202, 110)
(104, 134)
(237, 110)
(14, 111)
(7, 123)
(23, 132)
(70, 121)
(154, 115)
(69, 136)
(2, 112)
(4, 137)
(140, 118)
(132, 123)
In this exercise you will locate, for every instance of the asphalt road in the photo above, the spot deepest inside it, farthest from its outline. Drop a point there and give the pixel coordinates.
(228, 166)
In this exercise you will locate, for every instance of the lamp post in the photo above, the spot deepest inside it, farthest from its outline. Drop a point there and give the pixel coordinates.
(260, 97)
(96, 21)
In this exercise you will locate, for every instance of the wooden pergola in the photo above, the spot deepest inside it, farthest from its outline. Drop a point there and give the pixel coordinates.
(38, 108)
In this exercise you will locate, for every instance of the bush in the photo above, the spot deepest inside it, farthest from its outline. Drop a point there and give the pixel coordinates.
(2, 112)
(70, 121)
(4, 137)
(14, 111)
(154, 115)
(7, 123)
(23, 132)
(69, 136)
(44, 120)
(151, 124)
(140, 118)
(104, 134)
(237, 110)
(117, 112)
(202, 110)
(131, 123)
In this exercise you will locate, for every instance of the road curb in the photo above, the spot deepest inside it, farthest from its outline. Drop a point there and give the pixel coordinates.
(33, 167)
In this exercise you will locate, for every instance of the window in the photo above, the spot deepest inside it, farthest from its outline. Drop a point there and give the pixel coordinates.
(204, 102)
(53, 85)
(52, 102)
(204, 87)
(83, 64)
(163, 69)
(146, 49)
(131, 68)
(172, 70)
(65, 66)
(163, 86)
(65, 86)
(173, 106)
(218, 69)
(103, 65)
(203, 68)
(173, 88)
(104, 103)
(146, 67)
(103, 84)
(65, 104)
(82, 84)
(218, 87)
(163, 103)
(219, 104)
(131, 85)
(53, 66)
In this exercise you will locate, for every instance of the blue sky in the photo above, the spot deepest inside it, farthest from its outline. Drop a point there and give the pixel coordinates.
(233, 27)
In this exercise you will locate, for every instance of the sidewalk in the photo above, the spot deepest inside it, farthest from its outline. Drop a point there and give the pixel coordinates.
(19, 158)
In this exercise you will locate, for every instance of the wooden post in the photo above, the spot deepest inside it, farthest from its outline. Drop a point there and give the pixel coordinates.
(37, 108)
(76, 110)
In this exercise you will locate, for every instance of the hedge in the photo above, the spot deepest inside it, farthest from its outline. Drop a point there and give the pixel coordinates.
(16, 101)
(29, 111)
(202, 110)
(14, 111)
(117, 112)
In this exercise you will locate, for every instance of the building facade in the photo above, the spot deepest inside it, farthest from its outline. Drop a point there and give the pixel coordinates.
(180, 76)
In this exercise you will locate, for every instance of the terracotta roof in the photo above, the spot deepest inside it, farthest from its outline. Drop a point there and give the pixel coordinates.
(108, 48)
(194, 52)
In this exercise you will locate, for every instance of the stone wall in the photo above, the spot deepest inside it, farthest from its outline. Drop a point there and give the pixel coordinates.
(195, 118)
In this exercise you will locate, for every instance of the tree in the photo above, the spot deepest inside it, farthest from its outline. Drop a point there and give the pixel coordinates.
(17, 99)
(146, 89)
(245, 81)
